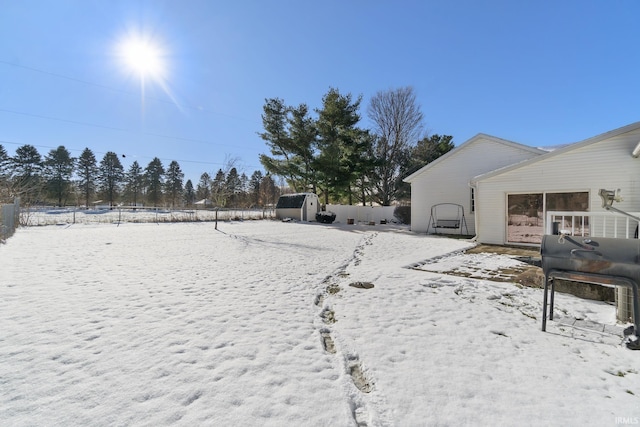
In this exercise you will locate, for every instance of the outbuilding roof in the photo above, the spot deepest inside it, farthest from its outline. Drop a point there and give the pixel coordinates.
(292, 201)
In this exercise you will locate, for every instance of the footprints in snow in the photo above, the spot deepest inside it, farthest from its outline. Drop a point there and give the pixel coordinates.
(352, 363)
(328, 315)
(359, 379)
(327, 341)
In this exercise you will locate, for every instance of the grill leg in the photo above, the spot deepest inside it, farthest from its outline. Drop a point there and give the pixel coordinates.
(544, 304)
(636, 309)
(553, 291)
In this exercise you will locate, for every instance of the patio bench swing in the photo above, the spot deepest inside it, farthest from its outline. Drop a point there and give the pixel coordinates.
(448, 216)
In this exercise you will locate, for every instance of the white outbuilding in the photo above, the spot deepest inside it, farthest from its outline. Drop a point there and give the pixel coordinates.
(298, 206)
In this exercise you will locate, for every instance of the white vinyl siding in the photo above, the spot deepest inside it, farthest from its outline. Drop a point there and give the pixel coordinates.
(447, 181)
(586, 168)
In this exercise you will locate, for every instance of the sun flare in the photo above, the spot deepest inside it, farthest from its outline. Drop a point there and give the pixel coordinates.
(143, 57)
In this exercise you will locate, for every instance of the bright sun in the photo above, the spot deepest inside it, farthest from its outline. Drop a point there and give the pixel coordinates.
(143, 57)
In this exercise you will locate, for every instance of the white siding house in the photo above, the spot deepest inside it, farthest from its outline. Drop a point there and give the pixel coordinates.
(511, 202)
(447, 179)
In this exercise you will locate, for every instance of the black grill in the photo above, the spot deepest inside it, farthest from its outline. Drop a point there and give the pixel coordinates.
(604, 261)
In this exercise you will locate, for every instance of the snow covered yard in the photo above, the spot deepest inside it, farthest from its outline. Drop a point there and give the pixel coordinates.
(257, 324)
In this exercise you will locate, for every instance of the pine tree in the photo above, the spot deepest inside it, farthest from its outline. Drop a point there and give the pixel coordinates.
(189, 193)
(219, 189)
(303, 132)
(276, 135)
(110, 176)
(134, 183)
(87, 171)
(268, 191)
(154, 181)
(254, 188)
(173, 182)
(26, 172)
(203, 191)
(233, 187)
(59, 167)
(337, 135)
(291, 136)
(4, 174)
(4, 162)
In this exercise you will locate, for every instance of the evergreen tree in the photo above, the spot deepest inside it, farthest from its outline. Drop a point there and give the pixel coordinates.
(59, 167)
(110, 176)
(173, 182)
(134, 183)
(4, 174)
(304, 136)
(219, 189)
(4, 162)
(429, 149)
(154, 181)
(189, 193)
(337, 137)
(203, 191)
(361, 165)
(425, 151)
(276, 135)
(233, 187)
(87, 172)
(291, 136)
(254, 188)
(268, 191)
(26, 172)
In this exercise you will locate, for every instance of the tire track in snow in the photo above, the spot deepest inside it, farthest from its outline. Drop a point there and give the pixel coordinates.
(351, 363)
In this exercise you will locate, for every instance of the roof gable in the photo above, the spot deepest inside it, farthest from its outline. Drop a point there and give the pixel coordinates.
(479, 138)
(562, 150)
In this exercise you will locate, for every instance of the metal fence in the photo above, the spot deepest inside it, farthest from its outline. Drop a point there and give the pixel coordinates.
(117, 215)
(9, 219)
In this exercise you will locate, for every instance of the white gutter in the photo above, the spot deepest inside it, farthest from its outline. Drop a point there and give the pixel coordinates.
(475, 210)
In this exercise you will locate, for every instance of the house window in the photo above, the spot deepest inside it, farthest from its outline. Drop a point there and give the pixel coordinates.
(526, 213)
(525, 218)
(567, 202)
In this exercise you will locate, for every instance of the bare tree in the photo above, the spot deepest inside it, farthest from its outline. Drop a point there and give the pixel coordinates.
(398, 122)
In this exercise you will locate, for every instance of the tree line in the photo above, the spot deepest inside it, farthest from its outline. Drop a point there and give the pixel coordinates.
(62, 180)
(330, 155)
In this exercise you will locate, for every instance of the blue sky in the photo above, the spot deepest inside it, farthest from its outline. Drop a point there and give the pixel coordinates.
(540, 73)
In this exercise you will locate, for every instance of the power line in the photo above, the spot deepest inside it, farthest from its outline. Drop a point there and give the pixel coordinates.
(125, 92)
(39, 116)
(124, 155)
(113, 128)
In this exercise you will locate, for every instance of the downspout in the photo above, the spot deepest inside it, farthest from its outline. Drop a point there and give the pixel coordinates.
(476, 217)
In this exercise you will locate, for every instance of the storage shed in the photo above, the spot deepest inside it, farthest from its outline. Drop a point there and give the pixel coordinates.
(298, 206)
